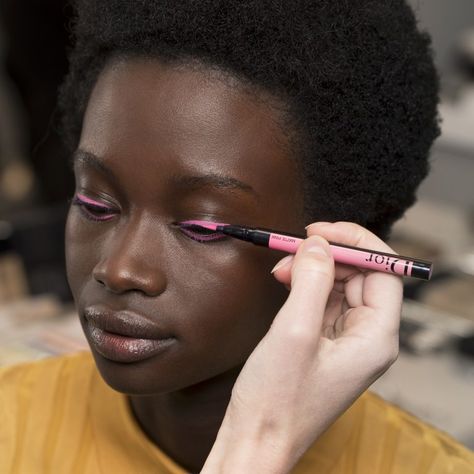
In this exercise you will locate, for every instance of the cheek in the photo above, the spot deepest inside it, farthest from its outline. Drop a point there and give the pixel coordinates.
(235, 302)
(79, 253)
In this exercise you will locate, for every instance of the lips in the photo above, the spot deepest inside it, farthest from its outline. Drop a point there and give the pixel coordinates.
(124, 336)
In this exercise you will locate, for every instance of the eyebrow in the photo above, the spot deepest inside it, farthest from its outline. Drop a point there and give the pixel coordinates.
(215, 180)
(86, 158)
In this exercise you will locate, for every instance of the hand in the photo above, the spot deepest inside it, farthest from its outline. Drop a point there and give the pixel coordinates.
(335, 335)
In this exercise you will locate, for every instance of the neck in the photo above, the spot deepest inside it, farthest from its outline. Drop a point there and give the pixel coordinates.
(184, 424)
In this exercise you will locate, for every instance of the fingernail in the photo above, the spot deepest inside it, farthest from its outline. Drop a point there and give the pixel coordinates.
(315, 245)
(282, 263)
(318, 223)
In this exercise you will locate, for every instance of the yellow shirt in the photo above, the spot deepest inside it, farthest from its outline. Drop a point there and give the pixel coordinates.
(57, 415)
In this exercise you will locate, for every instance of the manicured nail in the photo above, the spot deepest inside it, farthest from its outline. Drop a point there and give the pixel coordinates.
(282, 263)
(318, 223)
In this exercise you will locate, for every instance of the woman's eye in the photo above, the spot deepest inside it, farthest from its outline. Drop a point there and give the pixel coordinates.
(93, 210)
(200, 234)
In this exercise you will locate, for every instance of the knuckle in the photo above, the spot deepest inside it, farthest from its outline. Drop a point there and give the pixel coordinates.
(356, 231)
(320, 259)
(320, 262)
(319, 272)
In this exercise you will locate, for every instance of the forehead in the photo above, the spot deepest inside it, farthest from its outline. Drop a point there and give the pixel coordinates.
(161, 119)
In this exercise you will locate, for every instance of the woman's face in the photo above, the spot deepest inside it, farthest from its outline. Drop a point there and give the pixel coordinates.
(154, 140)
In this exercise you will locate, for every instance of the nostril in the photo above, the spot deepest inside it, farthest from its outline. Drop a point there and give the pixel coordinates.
(122, 271)
(100, 278)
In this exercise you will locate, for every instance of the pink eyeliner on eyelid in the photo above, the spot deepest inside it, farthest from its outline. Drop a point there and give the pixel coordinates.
(200, 237)
(86, 200)
(206, 224)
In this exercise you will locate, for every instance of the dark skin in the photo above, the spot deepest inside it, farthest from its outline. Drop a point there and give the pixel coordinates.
(147, 122)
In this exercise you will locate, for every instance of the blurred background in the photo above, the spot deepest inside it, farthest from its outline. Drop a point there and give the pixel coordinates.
(434, 375)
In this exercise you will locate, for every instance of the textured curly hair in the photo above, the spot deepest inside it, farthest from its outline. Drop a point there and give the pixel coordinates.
(357, 79)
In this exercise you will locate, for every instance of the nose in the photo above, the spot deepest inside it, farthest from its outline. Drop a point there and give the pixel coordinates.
(130, 260)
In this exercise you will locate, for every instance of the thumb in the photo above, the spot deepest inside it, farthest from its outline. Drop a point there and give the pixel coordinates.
(312, 279)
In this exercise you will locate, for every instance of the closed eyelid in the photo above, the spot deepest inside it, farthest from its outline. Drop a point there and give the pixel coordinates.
(87, 200)
(204, 235)
(93, 210)
(83, 200)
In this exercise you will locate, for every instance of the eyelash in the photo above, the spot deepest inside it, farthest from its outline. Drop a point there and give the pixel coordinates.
(89, 211)
(206, 235)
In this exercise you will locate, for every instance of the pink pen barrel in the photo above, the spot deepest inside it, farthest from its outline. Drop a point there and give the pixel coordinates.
(345, 254)
(361, 258)
(372, 261)
(285, 243)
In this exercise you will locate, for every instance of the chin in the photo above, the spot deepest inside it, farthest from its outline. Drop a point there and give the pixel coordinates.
(151, 377)
(138, 378)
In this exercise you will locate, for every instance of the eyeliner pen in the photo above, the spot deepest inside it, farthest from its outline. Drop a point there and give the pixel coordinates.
(346, 254)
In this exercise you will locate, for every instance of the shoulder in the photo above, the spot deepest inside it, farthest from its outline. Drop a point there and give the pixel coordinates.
(48, 368)
(413, 429)
(408, 439)
(22, 385)
(60, 414)
(374, 435)
(20, 382)
(37, 400)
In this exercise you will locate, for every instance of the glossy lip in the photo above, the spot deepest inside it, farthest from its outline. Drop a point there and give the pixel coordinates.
(124, 336)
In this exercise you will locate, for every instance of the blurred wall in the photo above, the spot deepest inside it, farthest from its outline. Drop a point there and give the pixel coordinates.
(444, 19)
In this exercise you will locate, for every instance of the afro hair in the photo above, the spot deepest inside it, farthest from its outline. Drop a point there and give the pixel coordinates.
(357, 79)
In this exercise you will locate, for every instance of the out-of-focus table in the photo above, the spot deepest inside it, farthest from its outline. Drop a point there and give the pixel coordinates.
(38, 327)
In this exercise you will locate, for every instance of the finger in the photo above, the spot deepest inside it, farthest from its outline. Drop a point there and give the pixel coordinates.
(282, 271)
(353, 290)
(348, 233)
(377, 289)
(312, 279)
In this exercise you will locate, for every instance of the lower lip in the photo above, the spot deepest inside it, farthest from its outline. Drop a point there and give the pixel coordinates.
(126, 349)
